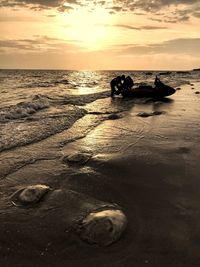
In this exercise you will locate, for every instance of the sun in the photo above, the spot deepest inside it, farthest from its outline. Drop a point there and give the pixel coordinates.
(88, 27)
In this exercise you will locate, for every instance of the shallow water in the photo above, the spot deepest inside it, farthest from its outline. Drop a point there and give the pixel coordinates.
(30, 99)
(39, 122)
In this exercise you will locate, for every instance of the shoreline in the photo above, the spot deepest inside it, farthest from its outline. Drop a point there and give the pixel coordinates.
(148, 166)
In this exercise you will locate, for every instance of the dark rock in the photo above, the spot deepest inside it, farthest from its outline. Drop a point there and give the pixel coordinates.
(114, 116)
(183, 150)
(144, 114)
(183, 72)
(165, 73)
(148, 114)
(156, 113)
(197, 92)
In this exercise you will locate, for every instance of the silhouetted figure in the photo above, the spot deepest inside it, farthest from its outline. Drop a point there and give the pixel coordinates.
(128, 84)
(157, 82)
(123, 78)
(117, 85)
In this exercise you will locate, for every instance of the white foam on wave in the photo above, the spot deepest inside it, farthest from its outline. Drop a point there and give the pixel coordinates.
(24, 109)
(41, 117)
(78, 100)
(16, 133)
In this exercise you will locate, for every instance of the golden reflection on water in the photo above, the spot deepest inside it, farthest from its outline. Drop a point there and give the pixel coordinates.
(88, 82)
(179, 121)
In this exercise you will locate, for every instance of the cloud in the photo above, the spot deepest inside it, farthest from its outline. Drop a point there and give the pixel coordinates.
(51, 16)
(147, 27)
(12, 18)
(61, 5)
(115, 5)
(53, 53)
(172, 10)
(196, 14)
(65, 8)
(41, 44)
(130, 27)
(153, 4)
(187, 46)
(138, 7)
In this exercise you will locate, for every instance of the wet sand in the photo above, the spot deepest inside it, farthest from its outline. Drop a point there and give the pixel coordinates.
(147, 165)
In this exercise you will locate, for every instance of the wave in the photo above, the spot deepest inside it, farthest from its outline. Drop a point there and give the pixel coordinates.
(63, 81)
(79, 100)
(54, 83)
(49, 83)
(24, 109)
(16, 133)
(42, 116)
(39, 102)
(42, 84)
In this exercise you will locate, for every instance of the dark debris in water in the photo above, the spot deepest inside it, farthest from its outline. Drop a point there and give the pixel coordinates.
(148, 114)
(183, 150)
(114, 116)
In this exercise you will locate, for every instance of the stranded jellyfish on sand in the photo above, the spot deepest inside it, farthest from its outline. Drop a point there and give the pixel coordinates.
(31, 194)
(102, 227)
(77, 158)
(95, 222)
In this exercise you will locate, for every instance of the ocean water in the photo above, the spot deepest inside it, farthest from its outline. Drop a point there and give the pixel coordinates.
(39, 104)
(36, 104)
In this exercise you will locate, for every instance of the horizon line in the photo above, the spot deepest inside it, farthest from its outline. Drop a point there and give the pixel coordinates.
(98, 69)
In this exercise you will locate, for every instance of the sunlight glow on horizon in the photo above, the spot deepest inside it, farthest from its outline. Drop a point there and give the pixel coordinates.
(93, 37)
(86, 27)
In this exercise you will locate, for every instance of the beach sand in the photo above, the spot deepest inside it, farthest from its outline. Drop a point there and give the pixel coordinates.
(147, 165)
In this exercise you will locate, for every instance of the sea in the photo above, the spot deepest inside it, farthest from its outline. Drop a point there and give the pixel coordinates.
(31, 100)
(38, 104)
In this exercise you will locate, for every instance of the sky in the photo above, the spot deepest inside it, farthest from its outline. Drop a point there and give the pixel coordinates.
(100, 35)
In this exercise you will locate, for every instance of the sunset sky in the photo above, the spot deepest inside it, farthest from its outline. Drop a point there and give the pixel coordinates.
(85, 34)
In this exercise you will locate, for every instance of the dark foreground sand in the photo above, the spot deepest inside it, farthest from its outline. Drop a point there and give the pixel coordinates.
(148, 166)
